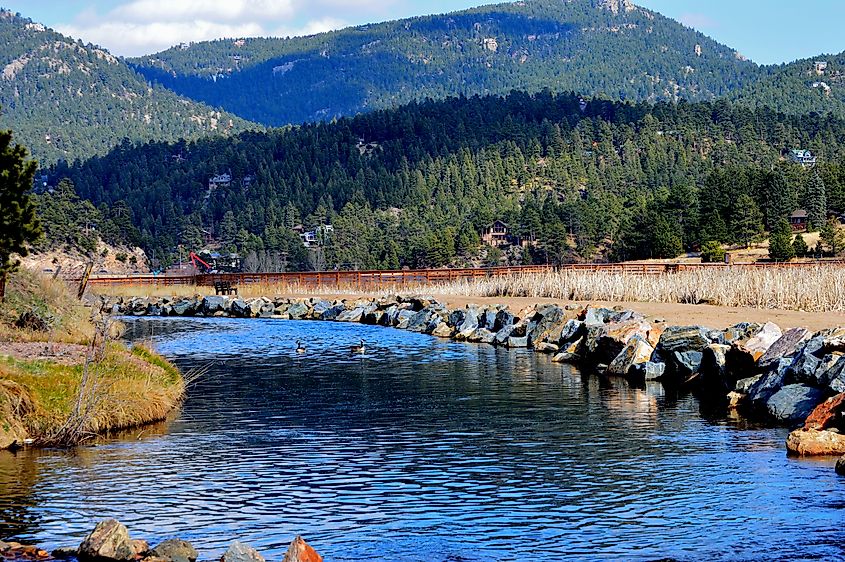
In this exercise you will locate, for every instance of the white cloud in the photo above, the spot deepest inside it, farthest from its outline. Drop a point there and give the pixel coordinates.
(137, 27)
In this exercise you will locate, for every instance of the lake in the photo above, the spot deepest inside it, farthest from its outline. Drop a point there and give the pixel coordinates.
(425, 450)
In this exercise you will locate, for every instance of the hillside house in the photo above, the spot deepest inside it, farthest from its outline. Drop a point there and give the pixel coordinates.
(803, 157)
(311, 238)
(498, 235)
(220, 180)
(798, 220)
(820, 67)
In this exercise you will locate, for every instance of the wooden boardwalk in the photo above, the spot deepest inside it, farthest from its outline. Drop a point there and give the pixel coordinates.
(418, 277)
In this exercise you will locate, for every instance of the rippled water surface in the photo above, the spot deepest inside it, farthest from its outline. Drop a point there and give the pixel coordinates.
(426, 450)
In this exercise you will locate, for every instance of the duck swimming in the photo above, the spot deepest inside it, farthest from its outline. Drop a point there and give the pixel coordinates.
(360, 348)
(299, 347)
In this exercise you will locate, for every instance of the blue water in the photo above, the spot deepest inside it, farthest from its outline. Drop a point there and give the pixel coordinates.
(426, 450)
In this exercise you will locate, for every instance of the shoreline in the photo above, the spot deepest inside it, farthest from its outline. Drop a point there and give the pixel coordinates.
(793, 377)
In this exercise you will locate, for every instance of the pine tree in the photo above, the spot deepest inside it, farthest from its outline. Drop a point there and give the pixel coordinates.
(780, 242)
(816, 202)
(19, 225)
(780, 200)
(746, 220)
(800, 246)
(831, 235)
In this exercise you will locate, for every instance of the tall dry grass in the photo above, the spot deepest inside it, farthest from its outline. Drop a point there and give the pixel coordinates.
(808, 289)
(815, 288)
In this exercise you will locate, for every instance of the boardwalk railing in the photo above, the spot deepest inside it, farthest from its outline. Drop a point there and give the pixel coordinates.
(418, 277)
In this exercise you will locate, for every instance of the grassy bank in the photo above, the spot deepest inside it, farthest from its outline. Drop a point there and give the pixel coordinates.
(62, 380)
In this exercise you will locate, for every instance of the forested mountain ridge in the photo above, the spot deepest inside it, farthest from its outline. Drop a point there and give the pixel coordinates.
(67, 100)
(415, 185)
(606, 48)
(804, 86)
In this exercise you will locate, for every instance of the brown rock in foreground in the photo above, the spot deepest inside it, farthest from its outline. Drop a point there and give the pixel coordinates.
(109, 540)
(827, 413)
(809, 442)
(301, 551)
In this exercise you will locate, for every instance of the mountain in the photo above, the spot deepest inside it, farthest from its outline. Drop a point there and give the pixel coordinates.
(416, 185)
(67, 100)
(804, 86)
(606, 48)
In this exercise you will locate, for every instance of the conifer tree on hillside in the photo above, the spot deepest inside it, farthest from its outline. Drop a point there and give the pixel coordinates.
(832, 237)
(780, 242)
(816, 202)
(19, 225)
(746, 220)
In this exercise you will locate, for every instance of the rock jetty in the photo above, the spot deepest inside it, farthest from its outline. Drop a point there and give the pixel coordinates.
(109, 541)
(794, 378)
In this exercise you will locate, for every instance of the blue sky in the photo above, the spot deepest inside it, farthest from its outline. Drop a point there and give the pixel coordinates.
(767, 31)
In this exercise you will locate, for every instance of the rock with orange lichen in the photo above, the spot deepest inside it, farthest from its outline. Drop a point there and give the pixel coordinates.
(810, 442)
(301, 551)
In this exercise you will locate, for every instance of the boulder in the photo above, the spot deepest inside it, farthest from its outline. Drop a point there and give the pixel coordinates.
(737, 333)
(443, 330)
(319, 309)
(301, 551)
(212, 305)
(544, 347)
(571, 331)
(108, 541)
(788, 345)
(175, 550)
(834, 377)
(391, 314)
(266, 308)
(810, 442)
(547, 320)
(373, 318)
(240, 309)
(297, 311)
(516, 342)
(503, 334)
(743, 386)
(420, 320)
(353, 315)
(331, 313)
(745, 351)
(403, 319)
(770, 382)
(482, 335)
(714, 370)
(793, 402)
(572, 353)
(504, 318)
(830, 413)
(683, 347)
(840, 466)
(239, 552)
(650, 371)
(487, 319)
(604, 342)
(469, 323)
(140, 547)
(636, 352)
(596, 316)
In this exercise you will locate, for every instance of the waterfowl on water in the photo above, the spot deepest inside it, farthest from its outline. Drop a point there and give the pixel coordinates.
(360, 348)
(299, 347)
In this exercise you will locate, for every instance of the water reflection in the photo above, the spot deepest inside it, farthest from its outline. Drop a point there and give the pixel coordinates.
(427, 450)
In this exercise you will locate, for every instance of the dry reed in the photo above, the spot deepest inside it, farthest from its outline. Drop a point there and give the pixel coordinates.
(815, 288)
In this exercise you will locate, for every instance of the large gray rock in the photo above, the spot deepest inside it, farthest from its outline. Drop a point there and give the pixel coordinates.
(503, 334)
(794, 402)
(788, 345)
(714, 371)
(636, 352)
(176, 550)
(239, 552)
(546, 320)
(353, 315)
(469, 323)
(650, 371)
(487, 319)
(747, 349)
(769, 383)
(404, 319)
(503, 318)
(240, 309)
(213, 305)
(571, 331)
(482, 335)
(298, 311)
(682, 348)
(108, 541)
(184, 307)
(597, 316)
(516, 342)
(419, 321)
(834, 378)
(320, 308)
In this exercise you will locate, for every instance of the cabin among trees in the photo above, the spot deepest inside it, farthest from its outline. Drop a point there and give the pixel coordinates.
(803, 157)
(798, 220)
(499, 235)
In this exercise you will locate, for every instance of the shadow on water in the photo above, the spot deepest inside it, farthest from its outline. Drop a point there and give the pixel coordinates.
(424, 449)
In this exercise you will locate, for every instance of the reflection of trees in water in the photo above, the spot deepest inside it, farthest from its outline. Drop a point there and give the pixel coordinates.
(22, 471)
(18, 477)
